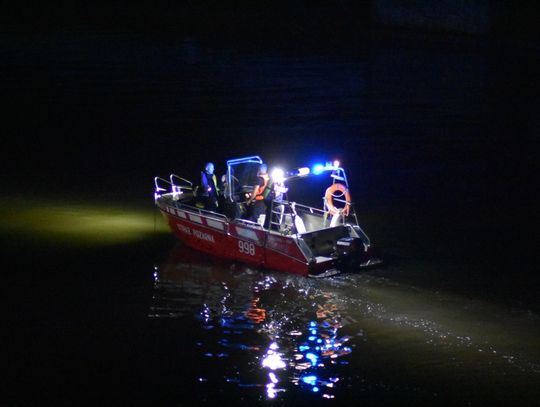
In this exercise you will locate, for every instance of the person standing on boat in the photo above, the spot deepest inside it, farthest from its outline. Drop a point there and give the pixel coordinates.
(258, 201)
(209, 188)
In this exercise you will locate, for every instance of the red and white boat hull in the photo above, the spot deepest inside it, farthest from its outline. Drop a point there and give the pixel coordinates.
(236, 241)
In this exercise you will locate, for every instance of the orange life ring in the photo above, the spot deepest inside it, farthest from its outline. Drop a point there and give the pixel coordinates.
(329, 195)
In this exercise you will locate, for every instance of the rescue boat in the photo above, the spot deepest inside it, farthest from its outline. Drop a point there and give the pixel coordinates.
(298, 238)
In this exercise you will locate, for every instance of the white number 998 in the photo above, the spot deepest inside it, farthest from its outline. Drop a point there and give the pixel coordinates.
(246, 247)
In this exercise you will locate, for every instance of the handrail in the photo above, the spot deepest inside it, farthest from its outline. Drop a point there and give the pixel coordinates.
(173, 176)
(304, 207)
(351, 204)
(200, 211)
(178, 190)
(362, 235)
(178, 185)
(159, 189)
(296, 209)
(156, 179)
(248, 223)
(340, 175)
(252, 159)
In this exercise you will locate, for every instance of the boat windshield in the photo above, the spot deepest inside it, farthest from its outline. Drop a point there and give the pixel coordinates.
(241, 176)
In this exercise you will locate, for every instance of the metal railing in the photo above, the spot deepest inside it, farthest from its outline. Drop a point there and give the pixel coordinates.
(169, 186)
(188, 185)
(283, 214)
(247, 222)
(202, 212)
(159, 189)
(175, 190)
(352, 212)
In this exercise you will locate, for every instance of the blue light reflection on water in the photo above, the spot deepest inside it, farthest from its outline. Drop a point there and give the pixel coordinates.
(259, 333)
(321, 350)
(273, 336)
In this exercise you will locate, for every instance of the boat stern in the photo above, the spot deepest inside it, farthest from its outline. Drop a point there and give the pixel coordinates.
(350, 254)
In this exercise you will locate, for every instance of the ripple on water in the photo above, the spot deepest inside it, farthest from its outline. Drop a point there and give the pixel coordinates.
(279, 336)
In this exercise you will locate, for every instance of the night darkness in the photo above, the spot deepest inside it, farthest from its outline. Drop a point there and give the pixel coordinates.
(433, 107)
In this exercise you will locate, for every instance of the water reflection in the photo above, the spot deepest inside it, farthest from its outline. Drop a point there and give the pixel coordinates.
(277, 336)
(276, 332)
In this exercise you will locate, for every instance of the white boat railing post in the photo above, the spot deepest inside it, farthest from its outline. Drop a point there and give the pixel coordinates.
(159, 189)
(178, 189)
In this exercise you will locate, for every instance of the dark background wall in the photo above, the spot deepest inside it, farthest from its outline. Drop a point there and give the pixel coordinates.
(324, 18)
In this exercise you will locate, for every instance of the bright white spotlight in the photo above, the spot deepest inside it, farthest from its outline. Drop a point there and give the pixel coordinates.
(278, 175)
(303, 171)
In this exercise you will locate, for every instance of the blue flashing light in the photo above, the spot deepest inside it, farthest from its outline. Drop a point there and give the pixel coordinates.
(312, 323)
(317, 169)
(313, 332)
(312, 338)
(315, 389)
(328, 166)
(302, 348)
(310, 380)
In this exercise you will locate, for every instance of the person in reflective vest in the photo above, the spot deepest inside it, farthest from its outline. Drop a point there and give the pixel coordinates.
(259, 199)
(209, 189)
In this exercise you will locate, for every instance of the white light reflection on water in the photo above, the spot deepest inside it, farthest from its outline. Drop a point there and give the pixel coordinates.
(288, 329)
(273, 361)
(280, 336)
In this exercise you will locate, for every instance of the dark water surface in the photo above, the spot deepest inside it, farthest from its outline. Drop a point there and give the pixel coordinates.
(438, 135)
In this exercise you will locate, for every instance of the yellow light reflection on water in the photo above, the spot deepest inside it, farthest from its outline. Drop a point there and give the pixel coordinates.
(74, 223)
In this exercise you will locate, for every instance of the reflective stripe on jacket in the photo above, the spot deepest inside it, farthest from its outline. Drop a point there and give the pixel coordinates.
(261, 192)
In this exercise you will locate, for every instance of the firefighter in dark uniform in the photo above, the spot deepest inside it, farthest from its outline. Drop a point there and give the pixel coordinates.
(209, 189)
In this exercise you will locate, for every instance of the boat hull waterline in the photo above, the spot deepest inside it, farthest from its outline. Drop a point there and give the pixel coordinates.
(251, 244)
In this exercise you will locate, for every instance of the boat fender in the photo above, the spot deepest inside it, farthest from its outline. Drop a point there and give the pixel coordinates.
(329, 195)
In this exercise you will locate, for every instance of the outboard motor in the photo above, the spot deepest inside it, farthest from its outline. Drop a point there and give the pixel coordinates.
(347, 246)
(350, 250)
